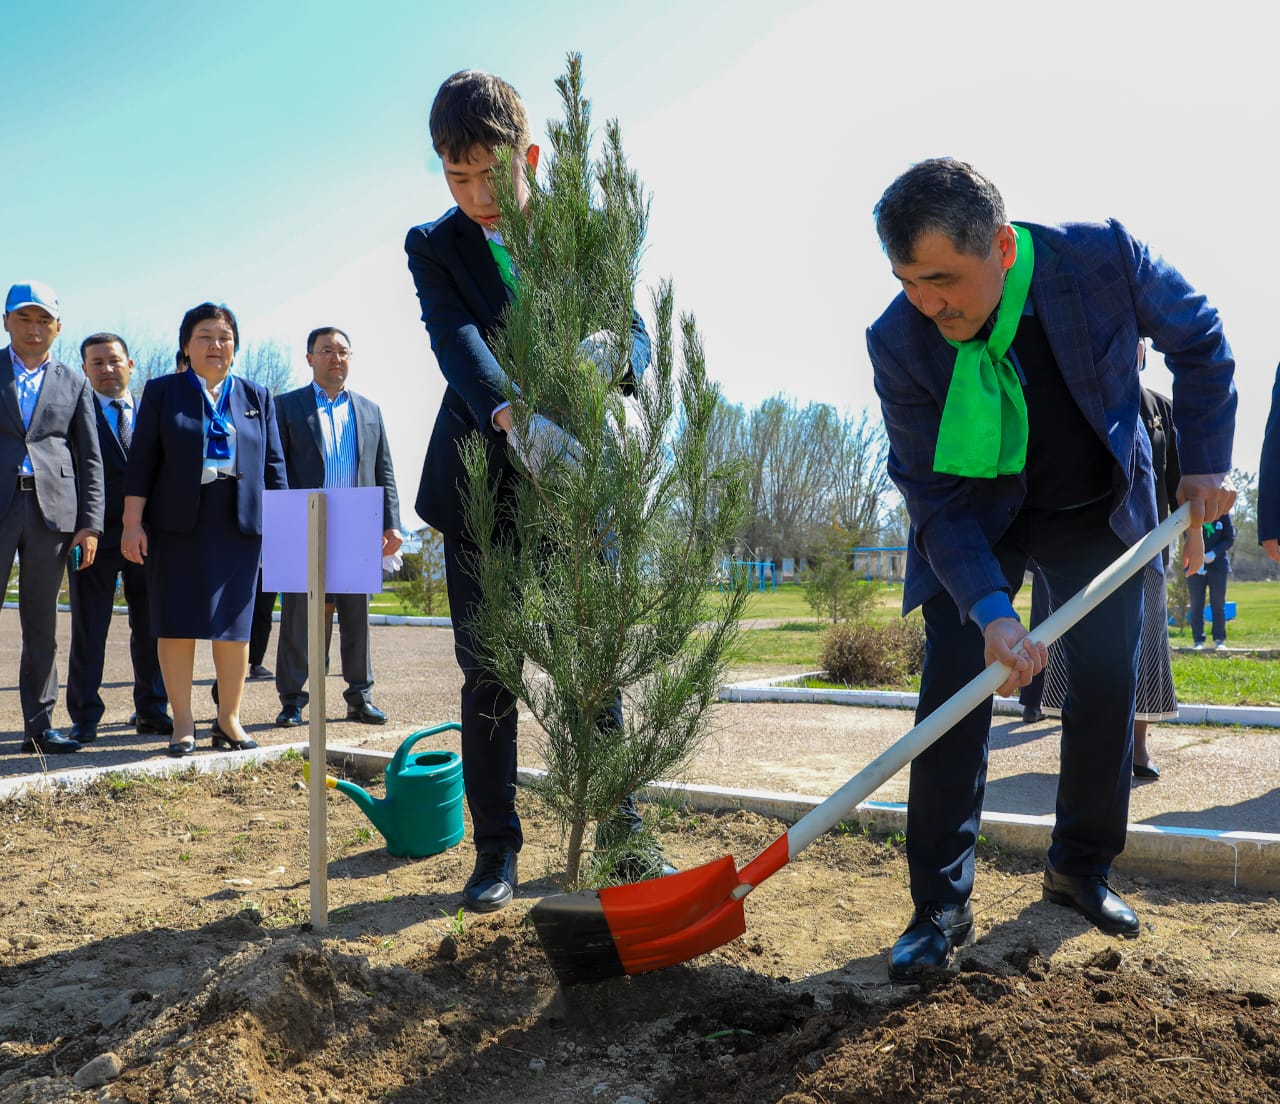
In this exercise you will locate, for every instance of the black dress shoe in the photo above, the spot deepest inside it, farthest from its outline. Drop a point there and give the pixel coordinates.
(258, 671)
(1149, 770)
(51, 742)
(82, 733)
(289, 717)
(366, 713)
(493, 881)
(183, 747)
(1094, 899)
(158, 724)
(1032, 715)
(224, 741)
(934, 932)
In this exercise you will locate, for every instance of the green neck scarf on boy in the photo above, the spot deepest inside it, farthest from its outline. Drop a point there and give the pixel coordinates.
(503, 260)
(983, 432)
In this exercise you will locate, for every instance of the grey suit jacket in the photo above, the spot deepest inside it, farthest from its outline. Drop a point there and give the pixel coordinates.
(299, 421)
(62, 443)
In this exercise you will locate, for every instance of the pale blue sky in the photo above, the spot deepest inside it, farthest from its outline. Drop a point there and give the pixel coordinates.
(272, 155)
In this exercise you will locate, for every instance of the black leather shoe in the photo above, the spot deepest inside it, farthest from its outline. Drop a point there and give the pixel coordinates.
(82, 733)
(493, 881)
(157, 725)
(289, 717)
(934, 932)
(51, 742)
(1032, 715)
(1150, 770)
(1094, 899)
(366, 713)
(258, 671)
(224, 741)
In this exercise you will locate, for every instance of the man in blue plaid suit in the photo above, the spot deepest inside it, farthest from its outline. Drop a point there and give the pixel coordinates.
(1008, 378)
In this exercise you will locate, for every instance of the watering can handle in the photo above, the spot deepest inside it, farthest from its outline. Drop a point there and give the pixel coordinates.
(402, 752)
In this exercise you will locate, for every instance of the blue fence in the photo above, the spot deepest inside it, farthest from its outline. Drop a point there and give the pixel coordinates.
(747, 573)
(888, 562)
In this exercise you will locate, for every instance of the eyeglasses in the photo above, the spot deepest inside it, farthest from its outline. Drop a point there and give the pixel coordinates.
(341, 354)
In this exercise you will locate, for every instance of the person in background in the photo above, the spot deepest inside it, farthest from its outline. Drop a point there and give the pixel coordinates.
(1010, 393)
(260, 632)
(1211, 579)
(1269, 479)
(333, 437)
(205, 447)
(105, 361)
(52, 500)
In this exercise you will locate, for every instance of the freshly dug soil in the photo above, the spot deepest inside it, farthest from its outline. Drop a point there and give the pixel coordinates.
(154, 947)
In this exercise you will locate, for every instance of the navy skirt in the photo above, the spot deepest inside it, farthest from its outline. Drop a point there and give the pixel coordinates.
(203, 584)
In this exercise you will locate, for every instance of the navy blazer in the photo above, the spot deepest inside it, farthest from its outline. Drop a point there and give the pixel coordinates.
(1096, 291)
(1269, 472)
(1219, 540)
(301, 440)
(167, 454)
(462, 297)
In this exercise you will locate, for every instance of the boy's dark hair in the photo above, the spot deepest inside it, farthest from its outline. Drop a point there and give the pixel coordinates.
(474, 108)
(322, 331)
(194, 317)
(102, 339)
(940, 194)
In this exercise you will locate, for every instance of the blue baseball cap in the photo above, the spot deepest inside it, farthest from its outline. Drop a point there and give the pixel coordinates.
(32, 294)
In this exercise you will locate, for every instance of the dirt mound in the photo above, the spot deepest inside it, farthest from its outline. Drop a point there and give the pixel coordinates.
(153, 948)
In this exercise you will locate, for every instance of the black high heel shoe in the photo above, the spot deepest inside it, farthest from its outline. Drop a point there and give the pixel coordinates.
(222, 741)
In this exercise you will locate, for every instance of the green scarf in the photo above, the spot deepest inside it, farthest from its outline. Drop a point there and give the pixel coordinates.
(503, 260)
(984, 423)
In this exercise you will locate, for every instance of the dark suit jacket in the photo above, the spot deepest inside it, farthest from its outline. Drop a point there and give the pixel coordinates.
(114, 459)
(462, 296)
(1269, 472)
(1095, 290)
(62, 443)
(1219, 541)
(298, 419)
(167, 454)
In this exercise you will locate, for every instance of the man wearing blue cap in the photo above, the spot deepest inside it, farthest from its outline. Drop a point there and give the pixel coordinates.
(51, 492)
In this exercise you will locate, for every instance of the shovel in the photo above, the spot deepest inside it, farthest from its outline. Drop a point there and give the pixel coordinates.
(631, 929)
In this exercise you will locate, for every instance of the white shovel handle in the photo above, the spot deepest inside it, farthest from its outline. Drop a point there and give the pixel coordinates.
(972, 694)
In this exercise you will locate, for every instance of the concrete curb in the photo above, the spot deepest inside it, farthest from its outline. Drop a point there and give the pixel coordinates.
(82, 777)
(778, 690)
(1243, 860)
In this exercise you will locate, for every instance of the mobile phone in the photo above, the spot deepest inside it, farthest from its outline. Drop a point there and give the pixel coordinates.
(76, 558)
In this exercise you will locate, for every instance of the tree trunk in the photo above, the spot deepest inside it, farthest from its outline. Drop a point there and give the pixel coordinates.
(574, 860)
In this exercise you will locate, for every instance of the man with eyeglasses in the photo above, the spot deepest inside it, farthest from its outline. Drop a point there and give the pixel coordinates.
(333, 437)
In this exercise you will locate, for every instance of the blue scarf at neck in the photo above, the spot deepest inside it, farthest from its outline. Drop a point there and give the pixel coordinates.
(219, 447)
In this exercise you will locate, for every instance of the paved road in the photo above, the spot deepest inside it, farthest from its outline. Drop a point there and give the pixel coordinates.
(1214, 777)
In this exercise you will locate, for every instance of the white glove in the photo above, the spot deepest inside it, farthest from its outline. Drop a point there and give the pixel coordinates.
(604, 352)
(1209, 557)
(392, 563)
(542, 445)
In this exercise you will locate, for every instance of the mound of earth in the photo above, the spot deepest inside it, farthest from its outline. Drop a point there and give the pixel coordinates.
(154, 947)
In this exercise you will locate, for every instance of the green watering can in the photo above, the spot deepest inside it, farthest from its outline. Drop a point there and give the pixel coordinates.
(422, 812)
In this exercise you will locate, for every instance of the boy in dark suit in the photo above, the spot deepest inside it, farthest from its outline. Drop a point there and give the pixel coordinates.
(1211, 580)
(463, 277)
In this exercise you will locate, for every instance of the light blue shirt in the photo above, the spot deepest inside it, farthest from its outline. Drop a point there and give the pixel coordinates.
(113, 415)
(338, 433)
(28, 381)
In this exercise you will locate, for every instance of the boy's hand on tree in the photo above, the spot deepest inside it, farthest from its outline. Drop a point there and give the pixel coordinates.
(541, 445)
(601, 350)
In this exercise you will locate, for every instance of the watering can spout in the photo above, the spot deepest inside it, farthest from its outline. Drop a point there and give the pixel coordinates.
(371, 807)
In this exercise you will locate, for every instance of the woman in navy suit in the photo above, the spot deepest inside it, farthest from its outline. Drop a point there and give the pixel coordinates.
(205, 446)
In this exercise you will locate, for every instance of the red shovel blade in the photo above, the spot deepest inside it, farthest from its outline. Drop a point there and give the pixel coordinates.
(631, 929)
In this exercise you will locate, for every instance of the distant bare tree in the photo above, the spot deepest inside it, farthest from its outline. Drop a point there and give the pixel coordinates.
(266, 363)
(150, 359)
(860, 483)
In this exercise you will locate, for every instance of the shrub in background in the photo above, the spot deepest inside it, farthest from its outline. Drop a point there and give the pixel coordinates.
(863, 653)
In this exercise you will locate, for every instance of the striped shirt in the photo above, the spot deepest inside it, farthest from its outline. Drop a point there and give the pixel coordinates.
(338, 433)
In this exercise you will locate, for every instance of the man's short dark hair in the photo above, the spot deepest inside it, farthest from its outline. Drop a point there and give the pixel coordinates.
(944, 195)
(203, 313)
(316, 334)
(103, 339)
(473, 108)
